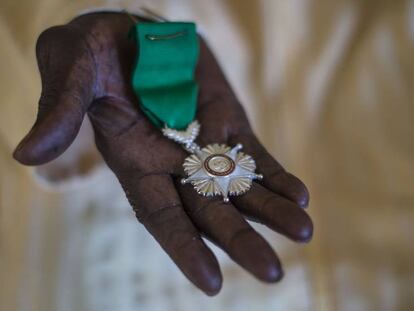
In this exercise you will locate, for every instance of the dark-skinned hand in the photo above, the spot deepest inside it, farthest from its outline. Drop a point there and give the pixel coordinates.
(85, 68)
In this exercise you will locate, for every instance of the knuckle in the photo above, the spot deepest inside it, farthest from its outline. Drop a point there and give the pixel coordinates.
(50, 33)
(58, 43)
(48, 36)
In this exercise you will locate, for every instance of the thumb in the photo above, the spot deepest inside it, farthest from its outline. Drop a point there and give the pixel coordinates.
(68, 76)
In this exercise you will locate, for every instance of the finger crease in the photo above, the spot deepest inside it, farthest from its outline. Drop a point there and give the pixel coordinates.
(238, 234)
(152, 174)
(159, 211)
(196, 211)
(91, 55)
(266, 202)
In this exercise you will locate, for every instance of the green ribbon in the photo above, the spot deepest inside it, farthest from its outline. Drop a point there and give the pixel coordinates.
(163, 75)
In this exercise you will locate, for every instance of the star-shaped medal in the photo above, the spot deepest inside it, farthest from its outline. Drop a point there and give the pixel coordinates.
(216, 169)
(220, 170)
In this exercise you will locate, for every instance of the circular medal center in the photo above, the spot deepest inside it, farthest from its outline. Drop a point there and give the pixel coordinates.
(219, 165)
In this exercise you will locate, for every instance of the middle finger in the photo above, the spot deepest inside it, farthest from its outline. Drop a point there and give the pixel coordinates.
(226, 227)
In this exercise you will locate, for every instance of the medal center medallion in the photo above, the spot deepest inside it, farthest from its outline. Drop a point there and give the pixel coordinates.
(219, 165)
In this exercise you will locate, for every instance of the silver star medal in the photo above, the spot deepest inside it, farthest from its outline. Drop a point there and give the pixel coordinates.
(215, 169)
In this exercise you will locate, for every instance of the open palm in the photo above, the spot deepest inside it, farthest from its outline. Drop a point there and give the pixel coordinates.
(85, 68)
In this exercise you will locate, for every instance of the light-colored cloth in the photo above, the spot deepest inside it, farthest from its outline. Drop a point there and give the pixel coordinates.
(328, 86)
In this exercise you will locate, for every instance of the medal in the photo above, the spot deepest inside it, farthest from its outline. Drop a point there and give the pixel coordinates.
(215, 169)
(163, 79)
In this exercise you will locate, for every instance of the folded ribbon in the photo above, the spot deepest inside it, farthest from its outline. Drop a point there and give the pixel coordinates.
(163, 75)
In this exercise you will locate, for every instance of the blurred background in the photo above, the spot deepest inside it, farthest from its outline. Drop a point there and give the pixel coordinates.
(328, 87)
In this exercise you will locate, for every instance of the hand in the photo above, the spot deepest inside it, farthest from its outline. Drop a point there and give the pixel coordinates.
(85, 67)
